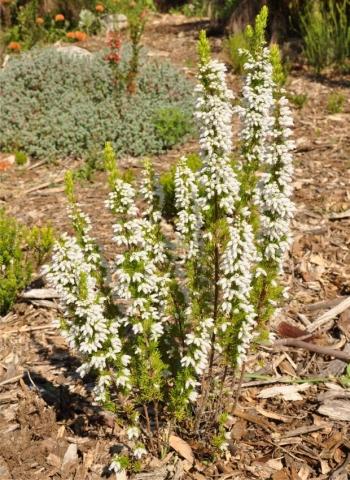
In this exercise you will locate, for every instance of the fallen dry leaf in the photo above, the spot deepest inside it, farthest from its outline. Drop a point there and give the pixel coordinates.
(325, 468)
(287, 392)
(304, 472)
(281, 475)
(273, 415)
(71, 454)
(336, 409)
(121, 475)
(275, 463)
(182, 448)
(239, 429)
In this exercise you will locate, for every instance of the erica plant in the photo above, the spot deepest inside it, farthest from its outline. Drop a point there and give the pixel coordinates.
(167, 325)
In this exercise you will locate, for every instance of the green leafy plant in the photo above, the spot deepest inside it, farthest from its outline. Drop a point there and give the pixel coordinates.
(167, 183)
(299, 100)
(172, 125)
(345, 379)
(335, 102)
(65, 105)
(234, 46)
(89, 22)
(21, 158)
(22, 251)
(326, 33)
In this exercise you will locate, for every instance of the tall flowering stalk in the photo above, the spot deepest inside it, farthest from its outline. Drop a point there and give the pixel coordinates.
(76, 272)
(255, 110)
(177, 313)
(273, 198)
(265, 169)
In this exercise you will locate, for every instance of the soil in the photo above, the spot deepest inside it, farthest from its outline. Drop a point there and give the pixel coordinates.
(50, 428)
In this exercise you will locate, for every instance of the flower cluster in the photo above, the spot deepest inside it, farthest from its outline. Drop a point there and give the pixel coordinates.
(190, 219)
(256, 110)
(59, 17)
(275, 187)
(14, 46)
(77, 36)
(86, 327)
(99, 8)
(150, 193)
(114, 44)
(237, 275)
(214, 116)
(145, 287)
(198, 343)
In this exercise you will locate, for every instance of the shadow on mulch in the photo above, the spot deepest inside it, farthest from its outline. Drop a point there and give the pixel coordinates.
(80, 413)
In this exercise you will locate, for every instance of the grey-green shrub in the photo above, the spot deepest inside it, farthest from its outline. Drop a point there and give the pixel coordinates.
(55, 105)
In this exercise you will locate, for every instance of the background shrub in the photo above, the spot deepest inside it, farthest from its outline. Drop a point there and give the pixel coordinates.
(22, 250)
(335, 102)
(57, 105)
(21, 158)
(171, 125)
(233, 45)
(326, 33)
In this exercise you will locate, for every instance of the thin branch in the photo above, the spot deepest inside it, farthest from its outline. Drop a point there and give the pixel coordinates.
(294, 342)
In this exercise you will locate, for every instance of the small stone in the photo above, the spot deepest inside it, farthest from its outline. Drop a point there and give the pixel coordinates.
(73, 50)
(114, 22)
(71, 454)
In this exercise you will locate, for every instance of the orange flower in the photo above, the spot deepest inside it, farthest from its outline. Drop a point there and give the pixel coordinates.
(59, 17)
(39, 20)
(99, 8)
(14, 46)
(4, 165)
(80, 36)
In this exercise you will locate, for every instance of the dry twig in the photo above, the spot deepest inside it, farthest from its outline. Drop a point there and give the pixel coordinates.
(295, 342)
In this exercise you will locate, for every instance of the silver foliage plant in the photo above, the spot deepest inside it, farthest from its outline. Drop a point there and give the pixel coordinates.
(167, 327)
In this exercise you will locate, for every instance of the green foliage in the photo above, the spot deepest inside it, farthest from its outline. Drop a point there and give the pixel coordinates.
(172, 125)
(89, 22)
(90, 166)
(167, 182)
(128, 8)
(110, 163)
(279, 74)
(233, 45)
(20, 158)
(63, 105)
(326, 33)
(335, 102)
(256, 35)
(298, 99)
(345, 379)
(22, 251)
(203, 48)
(29, 32)
(221, 11)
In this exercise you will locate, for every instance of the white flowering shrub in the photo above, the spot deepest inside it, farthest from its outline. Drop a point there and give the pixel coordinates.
(167, 324)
